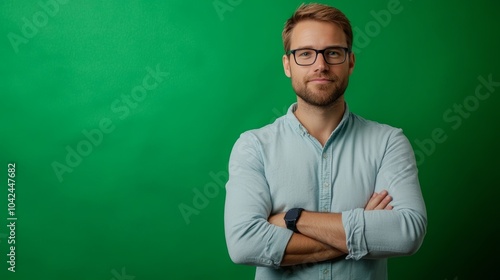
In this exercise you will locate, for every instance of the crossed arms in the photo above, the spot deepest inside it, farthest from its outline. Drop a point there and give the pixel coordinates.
(322, 235)
(256, 234)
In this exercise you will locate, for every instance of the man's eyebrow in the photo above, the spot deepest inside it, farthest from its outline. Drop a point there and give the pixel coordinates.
(311, 47)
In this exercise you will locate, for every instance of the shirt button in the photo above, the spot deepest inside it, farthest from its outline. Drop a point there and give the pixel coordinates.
(325, 156)
(325, 271)
(325, 185)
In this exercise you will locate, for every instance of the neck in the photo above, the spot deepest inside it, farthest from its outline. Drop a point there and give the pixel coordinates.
(320, 122)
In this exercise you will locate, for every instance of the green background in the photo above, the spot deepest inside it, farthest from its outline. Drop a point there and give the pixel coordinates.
(117, 212)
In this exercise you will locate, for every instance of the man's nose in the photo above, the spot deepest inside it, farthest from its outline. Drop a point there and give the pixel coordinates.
(320, 63)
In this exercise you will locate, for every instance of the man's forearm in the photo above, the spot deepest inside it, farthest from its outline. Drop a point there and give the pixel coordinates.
(326, 228)
(302, 249)
(322, 234)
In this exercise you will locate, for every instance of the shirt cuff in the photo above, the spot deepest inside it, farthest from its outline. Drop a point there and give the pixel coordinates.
(354, 226)
(281, 242)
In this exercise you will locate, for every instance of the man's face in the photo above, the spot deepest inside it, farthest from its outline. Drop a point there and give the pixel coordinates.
(320, 84)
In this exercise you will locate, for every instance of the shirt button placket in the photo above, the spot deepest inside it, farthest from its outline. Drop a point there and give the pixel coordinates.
(324, 184)
(326, 274)
(325, 191)
(324, 202)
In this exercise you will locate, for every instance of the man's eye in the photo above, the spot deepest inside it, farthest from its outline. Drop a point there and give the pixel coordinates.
(333, 53)
(305, 54)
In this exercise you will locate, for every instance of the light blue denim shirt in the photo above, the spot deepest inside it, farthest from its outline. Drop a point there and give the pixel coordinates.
(281, 166)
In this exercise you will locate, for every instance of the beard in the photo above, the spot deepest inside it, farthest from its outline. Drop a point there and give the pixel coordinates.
(320, 95)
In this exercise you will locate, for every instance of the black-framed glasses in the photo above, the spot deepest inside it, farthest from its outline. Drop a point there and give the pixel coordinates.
(308, 56)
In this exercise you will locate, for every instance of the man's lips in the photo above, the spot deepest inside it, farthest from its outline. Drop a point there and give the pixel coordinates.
(321, 80)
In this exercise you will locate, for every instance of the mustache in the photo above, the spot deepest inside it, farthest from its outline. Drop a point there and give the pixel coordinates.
(326, 77)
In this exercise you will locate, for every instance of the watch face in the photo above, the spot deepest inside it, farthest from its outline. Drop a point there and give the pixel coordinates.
(292, 214)
(291, 217)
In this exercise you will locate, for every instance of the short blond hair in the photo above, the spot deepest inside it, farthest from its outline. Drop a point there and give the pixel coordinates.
(317, 12)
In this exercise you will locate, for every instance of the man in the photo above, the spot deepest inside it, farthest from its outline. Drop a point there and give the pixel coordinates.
(322, 193)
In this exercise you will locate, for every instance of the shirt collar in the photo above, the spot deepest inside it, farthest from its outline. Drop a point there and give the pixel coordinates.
(296, 125)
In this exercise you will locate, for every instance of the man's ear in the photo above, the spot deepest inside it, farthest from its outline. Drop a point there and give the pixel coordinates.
(352, 62)
(286, 65)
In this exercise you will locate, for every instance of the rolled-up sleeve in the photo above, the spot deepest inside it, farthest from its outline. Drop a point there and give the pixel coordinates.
(250, 238)
(389, 233)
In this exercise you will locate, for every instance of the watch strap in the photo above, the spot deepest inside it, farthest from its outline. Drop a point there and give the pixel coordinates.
(291, 218)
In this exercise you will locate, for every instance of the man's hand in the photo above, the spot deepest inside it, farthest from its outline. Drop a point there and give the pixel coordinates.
(322, 235)
(379, 201)
(277, 220)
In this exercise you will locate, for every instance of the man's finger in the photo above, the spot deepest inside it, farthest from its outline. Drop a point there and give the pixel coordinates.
(378, 201)
(384, 202)
(374, 201)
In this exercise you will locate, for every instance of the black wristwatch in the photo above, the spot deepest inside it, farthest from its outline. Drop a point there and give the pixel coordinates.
(291, 218)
